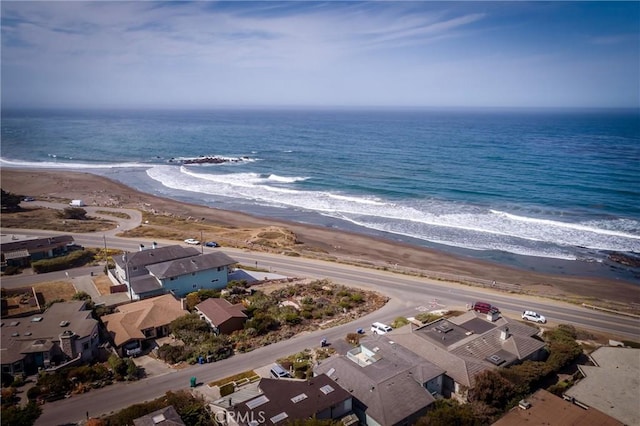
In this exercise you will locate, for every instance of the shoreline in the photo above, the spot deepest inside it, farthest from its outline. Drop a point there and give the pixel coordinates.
(334, 244)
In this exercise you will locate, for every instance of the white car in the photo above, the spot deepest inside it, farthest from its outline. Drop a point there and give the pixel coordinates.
(192, 241)
(533, 316)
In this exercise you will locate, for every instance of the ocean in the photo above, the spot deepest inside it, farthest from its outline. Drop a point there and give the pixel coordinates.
(546, 190)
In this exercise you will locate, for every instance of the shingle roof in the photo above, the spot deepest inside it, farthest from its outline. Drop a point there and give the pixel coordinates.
(220, 310)
(391, 387)
(167, 416)
(127, 323)
(37, 332)
(454, 344)
(308, 395)
(611, 385)
(145, 283)
(37, 244)
(179, 267)
(551, 410)
(157, 255)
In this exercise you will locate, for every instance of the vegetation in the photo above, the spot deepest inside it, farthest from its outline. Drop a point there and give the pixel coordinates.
(496, 391)
(71, 260)
(73, 213)
(191, 410)
(10, 202)
(23, 416)
(199, 341)
(446, 412)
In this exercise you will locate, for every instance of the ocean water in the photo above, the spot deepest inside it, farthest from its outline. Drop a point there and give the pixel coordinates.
(549, 190)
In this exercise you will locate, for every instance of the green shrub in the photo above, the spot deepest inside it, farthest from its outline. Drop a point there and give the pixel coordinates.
(227, 389)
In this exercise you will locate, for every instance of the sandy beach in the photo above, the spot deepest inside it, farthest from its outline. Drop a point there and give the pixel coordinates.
(335, 244)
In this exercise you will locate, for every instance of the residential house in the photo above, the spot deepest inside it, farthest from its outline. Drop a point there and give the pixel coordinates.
(167, 416)
(22, 250)
(172, 269)
(469, 344)
(137, 322)
(390, 384)
(221, 315)
(545, 408)
(611, 384)
(282, 401)
(64, 332)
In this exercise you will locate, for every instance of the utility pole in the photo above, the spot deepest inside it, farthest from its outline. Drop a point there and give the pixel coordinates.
(106, 258)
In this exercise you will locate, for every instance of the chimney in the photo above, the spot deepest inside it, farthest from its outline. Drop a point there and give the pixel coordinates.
(154, 245)
(183, 303)
(68, 343)
(504, 334)
(141, 247)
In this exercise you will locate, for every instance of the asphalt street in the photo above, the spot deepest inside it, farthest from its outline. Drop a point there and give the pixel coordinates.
(408, 295)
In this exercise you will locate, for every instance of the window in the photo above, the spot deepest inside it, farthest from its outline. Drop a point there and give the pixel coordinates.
(193, 274)
(219, 268)
(85, 346)
(195, 285)
(172, 278)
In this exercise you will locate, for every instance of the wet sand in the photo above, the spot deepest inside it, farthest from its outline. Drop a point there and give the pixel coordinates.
(331, 243)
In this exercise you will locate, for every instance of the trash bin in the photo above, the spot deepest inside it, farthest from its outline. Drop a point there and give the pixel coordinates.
(193, 382)
(201, 360)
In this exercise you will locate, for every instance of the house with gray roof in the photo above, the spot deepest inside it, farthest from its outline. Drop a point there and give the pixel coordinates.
(281, 401)
(167, 416)
(172, 269)
(390, 384)
(611, 384)
(22, 250)
(469, 344)
(62, 333)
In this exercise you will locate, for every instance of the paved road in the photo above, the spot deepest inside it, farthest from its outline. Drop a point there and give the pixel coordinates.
(408, 296)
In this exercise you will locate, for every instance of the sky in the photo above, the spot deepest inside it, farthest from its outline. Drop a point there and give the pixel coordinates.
(160, 54)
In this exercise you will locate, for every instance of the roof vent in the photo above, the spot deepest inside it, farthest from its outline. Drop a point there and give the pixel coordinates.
(64, 323)
(14, 323)
(28, 333)
(36, 319)
(524, 404)
(15, 334)
(160, 417)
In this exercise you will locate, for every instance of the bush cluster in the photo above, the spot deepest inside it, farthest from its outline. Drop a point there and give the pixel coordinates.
(71, 260)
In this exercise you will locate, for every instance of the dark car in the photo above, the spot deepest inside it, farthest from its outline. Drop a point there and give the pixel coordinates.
(211, 244)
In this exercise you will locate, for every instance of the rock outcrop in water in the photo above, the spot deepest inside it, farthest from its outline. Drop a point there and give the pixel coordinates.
(208, 160)
(625, 259)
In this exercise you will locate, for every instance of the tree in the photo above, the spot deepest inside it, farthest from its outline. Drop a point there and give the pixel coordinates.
(448, 412)
(76, 213)
(23, 416)
(10, 202)
(492, 389)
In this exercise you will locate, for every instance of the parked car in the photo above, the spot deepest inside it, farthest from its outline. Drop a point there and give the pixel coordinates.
(380, 328)
(211, 244)
(484, 307)
(192, 241)
(533, 316)
(29, 199)
(278, 372)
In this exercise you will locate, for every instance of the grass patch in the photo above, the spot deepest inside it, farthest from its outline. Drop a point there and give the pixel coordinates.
(114, 214)
(55, 290)
(48, 219)
(103, 284)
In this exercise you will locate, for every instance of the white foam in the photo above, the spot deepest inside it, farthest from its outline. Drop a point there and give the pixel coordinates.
(67, 165)
(284, 179)
(432, 220)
